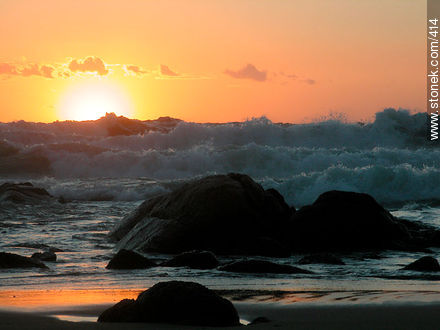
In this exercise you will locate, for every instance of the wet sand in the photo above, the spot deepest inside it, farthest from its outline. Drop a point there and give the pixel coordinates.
(291, 316)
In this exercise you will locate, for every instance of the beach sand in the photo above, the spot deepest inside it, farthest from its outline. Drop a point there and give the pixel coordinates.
(291, 316)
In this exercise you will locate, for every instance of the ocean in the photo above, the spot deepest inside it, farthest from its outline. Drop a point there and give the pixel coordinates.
(104, 169)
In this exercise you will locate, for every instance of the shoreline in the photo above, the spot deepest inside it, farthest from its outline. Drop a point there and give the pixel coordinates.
(59, 299)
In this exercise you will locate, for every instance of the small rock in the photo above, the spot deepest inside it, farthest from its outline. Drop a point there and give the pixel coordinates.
(261, 266)
(424, 264)
(126, 259)
(193, 259)
(12, 260)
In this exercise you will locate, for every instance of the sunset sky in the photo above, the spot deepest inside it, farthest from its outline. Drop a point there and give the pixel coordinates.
(209, 60)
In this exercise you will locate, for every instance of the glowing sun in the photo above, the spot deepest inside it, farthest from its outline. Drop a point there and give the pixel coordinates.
(93, 100)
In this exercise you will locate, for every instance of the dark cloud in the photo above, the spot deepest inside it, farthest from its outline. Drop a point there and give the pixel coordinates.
(248, 72)
(89, 64)
(166, 71)
(27, 70)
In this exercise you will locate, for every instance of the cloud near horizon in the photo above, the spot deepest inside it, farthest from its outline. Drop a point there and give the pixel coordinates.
(134, 70)
(90, 64)
(32, 69)
(249, 71)
(166, 71)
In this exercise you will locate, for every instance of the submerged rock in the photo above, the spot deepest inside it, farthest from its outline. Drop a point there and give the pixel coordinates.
(23, 193)
(261, 266)
(340, 220)
(220, 213)
(12, 260)
(323, 258)
(175, 302)
(424, 264)
(45, 256)
(193, 259)
(126, 259)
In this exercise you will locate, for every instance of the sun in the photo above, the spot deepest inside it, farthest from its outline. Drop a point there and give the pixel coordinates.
(92, 100)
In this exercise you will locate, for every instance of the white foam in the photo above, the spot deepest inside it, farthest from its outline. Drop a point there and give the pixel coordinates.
(389, 158)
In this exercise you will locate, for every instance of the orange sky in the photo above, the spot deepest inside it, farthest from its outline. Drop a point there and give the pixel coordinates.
(210, 61)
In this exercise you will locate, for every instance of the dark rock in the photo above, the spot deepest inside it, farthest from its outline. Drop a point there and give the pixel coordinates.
(424, 264)
(220, 213)
(323, 258)
(12, 260)
(175, 302)
(126, 259)
(23, 193)
(340, 220)
(45, 256)
(193, 259)
(261, 266)
(124, 311)
(266, 247)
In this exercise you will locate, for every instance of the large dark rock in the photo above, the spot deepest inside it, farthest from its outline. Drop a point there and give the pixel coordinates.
(321, 258)
(424, 264)
(261, 266)
(12, 260)
(340, 220)
(193, 259)
(175, 302)
(220, 213)
(126, 259)
(23, 193)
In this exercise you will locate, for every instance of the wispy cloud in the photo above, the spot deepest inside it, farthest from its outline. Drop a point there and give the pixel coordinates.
(134, 70)
(27, 70)
(249, 71)
(308, 81)
(166, 71)
(295, 77)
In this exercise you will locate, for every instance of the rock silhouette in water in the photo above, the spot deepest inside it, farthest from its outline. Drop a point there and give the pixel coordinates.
(340, 220)
(261, 266)
(175, 302)
(424, 264)
(12, 260)
(220, 213)
(125, 259)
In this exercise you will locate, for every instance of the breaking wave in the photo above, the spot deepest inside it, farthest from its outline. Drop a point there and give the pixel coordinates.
(122, 159)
